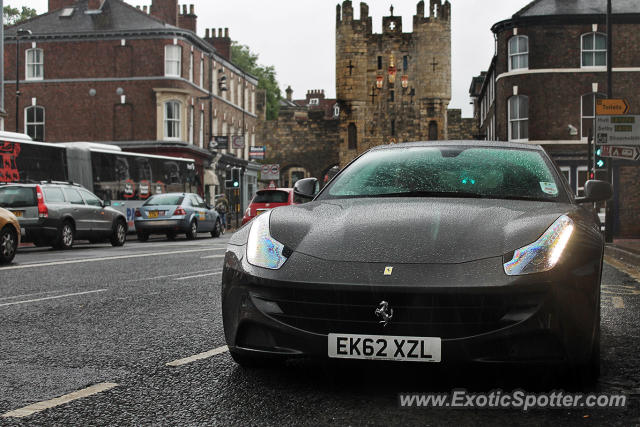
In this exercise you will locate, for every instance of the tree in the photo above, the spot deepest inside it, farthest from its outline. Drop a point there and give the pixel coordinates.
(248, 61)
(12, 16)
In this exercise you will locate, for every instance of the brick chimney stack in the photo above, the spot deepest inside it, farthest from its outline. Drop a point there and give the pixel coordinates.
(289, 93)
(166, 10)
(188, 19)
(60, 4)
(221, 42)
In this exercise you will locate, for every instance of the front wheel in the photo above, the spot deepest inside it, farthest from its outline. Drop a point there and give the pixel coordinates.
(192, 232)
(8, 245)
(119, 236)
(66, 236)
(217, 230)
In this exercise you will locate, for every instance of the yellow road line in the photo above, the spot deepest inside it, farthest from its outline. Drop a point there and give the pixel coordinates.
(634, 273)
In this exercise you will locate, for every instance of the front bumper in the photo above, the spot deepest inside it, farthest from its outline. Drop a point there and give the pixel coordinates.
(480, 314)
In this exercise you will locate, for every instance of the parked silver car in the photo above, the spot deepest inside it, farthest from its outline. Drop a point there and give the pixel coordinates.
(56, 214)
(174, 213)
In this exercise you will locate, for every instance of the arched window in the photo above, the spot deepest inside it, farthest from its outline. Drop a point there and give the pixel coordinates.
(35, 64)
(433, 131)
(594, 50)
(34, 122)
(519, 118)
(518, 53)
(172, 61)
(352, 133)
(172, 120)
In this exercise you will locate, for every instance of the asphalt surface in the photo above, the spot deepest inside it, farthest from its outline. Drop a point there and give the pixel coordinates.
(97, 314)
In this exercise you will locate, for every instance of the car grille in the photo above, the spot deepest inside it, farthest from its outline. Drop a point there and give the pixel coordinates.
(447, 315)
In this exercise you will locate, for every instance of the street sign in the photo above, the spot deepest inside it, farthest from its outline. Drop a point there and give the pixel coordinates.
(237, 141)
(629, 153)
(618, 130)
(257, 152)
(270, 173)
(219, 143)
(611, 107)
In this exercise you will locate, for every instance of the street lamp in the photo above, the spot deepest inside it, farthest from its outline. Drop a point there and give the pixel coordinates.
(21, 32)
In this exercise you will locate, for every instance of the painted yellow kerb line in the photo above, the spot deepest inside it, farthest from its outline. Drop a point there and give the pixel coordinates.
(62, 400)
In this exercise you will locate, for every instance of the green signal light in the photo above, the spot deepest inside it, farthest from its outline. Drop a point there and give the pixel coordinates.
(236, 184)
(599, 152)
(600, 163)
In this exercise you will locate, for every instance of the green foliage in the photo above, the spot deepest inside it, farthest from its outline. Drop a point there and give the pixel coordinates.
(242, 56)
(12, 16)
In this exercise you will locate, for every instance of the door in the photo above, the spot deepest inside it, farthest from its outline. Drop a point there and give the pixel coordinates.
(200, 212)
(209, 217)
(101, 219)
(80, 213)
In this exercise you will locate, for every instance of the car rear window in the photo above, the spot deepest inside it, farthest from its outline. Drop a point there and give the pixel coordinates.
(53, 195)
(17, 197)
(165, 199)
(271, 196)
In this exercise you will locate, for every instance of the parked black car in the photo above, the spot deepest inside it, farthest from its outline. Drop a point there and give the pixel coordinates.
(56, 214)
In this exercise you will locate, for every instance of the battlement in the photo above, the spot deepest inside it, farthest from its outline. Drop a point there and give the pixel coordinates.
(438, 11)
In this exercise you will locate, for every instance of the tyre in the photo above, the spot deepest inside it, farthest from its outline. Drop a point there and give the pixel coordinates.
(192, 232)
(8, 245)
(252, 361)
(142, 236)
(119, 236)
(217, 229)
(66, 236)
(587, 374)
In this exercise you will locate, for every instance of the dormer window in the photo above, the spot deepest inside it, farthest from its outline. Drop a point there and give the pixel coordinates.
(518, 53)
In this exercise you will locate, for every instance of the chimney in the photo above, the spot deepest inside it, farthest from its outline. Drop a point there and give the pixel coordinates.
(289, 93)
(60, 4)
(165, 10)
(188, 20)
(221, 42)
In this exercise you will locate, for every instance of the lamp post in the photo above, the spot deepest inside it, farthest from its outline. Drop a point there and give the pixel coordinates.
(21, 32)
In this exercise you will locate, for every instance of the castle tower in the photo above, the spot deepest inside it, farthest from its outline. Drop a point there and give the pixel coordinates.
(393, 86)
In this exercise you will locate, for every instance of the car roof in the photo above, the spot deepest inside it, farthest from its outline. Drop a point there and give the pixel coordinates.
(289, 190)
(461, 143)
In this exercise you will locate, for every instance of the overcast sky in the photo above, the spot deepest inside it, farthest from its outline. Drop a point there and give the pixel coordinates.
(298, 36)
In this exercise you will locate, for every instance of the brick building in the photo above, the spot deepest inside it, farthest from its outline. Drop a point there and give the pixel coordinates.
(141, 78)
(548, 69)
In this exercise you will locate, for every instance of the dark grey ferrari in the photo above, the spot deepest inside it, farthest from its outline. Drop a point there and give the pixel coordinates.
(424, 252)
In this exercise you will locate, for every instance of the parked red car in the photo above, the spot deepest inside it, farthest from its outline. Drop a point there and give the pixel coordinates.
(267, 199)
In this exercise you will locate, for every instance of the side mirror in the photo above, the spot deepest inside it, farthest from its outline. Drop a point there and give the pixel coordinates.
(596, 191)
(306, 188)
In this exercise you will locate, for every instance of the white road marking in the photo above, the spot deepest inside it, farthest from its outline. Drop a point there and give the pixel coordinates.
(200, 356)
(618, 302)
(199, 275)
(54, 297)
(29, 295)
(164, 277)
(80, 261)
(62, 400)
(212, 256)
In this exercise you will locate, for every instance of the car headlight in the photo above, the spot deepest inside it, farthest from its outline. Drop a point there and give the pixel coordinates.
(262, 249)
(544, 253)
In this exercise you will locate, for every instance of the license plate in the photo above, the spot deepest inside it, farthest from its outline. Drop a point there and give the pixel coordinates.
(153, 214)
(385, 347)
(18, 214)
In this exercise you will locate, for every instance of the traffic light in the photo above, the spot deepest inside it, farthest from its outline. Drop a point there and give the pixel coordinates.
(235, 177)
(600, 162)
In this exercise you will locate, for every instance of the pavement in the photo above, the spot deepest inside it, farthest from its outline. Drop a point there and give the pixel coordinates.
(100, 335)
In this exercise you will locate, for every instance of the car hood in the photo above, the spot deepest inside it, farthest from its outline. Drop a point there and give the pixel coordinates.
(412, 230)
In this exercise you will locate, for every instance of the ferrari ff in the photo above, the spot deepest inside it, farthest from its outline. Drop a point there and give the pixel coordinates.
(439, 252)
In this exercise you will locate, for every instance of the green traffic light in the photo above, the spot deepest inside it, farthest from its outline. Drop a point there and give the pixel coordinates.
(600, 163)
(236, 184)
(599, 152)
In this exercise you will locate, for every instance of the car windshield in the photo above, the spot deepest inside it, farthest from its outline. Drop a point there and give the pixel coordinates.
(481, 172)
(17, 197)
(271, 196)
(165, 199)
